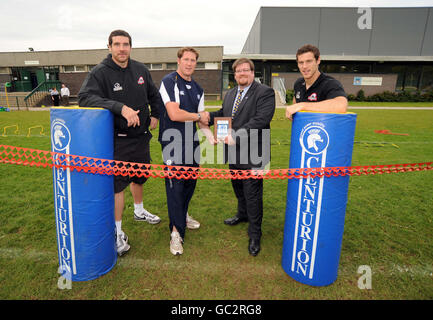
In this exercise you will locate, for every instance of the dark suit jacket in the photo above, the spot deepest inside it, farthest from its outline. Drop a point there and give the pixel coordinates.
(251, 126)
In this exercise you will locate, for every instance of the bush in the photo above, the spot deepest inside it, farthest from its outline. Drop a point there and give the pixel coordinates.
(351, 97)
(360, 96)
(388, 96)
(289, 95)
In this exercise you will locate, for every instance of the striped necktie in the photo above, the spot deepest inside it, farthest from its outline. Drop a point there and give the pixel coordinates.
(237, 103)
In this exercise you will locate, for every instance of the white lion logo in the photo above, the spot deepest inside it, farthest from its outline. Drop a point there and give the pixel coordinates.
(57, 135)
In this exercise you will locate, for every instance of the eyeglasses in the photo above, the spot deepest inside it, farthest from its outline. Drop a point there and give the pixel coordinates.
(243, 70)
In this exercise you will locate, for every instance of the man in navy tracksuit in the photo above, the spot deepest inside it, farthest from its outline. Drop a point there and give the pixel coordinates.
(125, 87)
(183, 102)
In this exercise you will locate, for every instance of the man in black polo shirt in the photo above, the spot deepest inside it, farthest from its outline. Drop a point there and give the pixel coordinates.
(315, 91)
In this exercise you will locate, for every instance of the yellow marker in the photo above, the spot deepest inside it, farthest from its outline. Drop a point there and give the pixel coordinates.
(40, 133)
(4, 129)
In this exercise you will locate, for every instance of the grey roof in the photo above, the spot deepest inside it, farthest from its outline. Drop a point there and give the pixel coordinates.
(377, 33)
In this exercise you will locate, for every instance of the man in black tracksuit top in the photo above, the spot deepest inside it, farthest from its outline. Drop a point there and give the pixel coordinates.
(125, 87)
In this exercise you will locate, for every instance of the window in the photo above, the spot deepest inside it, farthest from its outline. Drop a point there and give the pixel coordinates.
(69, 68)
(156, 66)
(427, 78)
(74, 68)
(80, 68)
(284, 66)
(171, 66)
(412, 77)
(211, 65)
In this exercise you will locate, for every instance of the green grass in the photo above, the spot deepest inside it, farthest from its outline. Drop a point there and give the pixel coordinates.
(211, 103)
(388, 226)
(390, 104)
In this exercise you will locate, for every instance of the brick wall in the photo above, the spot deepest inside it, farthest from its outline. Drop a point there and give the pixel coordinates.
(73, 80)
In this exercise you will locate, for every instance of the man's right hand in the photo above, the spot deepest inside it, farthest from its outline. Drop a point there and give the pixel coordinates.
(131, 116)
(204, 117)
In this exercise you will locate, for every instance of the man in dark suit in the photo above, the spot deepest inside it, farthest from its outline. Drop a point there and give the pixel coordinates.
(251, 106)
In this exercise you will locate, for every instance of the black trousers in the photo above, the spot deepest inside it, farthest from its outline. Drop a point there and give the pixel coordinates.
(249, 193)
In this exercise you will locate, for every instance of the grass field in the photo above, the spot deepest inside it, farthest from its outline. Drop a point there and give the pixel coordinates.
(388, 226)
(390, 104)
(358, 103)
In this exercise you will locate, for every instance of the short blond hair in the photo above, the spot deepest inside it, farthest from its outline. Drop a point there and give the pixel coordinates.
(181, 51)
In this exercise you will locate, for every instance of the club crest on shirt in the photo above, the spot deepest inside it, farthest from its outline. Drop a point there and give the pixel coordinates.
(140, 80)
(188, 86)
(117, 87)
(312, 97)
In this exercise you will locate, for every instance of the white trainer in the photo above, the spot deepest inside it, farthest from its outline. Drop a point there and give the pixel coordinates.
(147, 216)
(122, 244)
(191, 223)
(176, 241)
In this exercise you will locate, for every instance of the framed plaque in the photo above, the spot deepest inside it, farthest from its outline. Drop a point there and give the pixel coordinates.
(222, 127)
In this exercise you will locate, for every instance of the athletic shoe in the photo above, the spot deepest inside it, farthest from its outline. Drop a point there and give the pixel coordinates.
(147, 216)
(122, 244)
(191, 223)
(176, 243)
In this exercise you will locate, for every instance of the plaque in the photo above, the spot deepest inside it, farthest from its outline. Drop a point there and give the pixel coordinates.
(222, 127)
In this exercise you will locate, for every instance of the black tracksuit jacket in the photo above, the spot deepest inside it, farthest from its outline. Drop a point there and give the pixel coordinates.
(109, 86)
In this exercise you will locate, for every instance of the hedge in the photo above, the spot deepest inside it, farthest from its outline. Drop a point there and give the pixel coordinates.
(386, 96)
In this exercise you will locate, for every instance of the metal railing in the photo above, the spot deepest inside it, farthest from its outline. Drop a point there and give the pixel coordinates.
(279, 87)
(40, 92)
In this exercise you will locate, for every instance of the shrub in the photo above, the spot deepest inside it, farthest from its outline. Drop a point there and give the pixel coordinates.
(360, 96)
(388, 96)
(351, 97)
(289, 95)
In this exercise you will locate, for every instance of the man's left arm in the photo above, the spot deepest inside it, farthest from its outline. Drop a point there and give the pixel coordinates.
(334, 105)
(335, 102)
(265, 110)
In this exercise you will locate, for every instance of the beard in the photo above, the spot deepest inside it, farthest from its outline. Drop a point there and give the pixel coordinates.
(243, 81)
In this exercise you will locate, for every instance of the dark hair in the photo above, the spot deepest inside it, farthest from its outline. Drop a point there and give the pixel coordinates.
(116, 33)
(241, 61)
(308, 48)
(181, 51)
